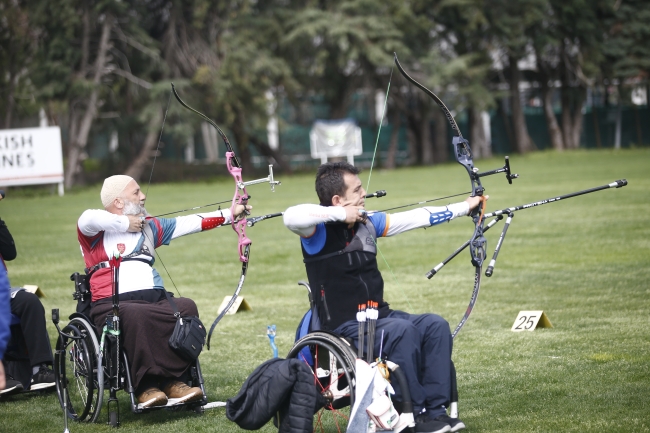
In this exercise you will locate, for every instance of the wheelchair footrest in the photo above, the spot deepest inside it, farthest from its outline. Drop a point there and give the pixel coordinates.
(172, 402)
(214, 404)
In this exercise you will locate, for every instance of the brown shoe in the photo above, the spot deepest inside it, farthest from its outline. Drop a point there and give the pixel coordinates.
(152, 397)
(178, 392)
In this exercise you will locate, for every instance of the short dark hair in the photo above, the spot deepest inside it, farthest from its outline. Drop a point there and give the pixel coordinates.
(330, 182)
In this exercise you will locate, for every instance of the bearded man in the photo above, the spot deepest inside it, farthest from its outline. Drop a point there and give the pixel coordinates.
(146, 316)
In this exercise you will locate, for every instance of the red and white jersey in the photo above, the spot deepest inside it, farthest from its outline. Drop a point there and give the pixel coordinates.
(101, 234)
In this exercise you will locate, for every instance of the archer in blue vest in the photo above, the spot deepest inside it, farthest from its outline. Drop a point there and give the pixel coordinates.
(338, 239)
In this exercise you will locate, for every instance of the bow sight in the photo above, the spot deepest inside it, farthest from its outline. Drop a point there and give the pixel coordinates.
(464, 158)
(268, 179)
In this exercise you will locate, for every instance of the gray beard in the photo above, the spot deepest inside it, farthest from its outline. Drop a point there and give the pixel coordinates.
(131, 208)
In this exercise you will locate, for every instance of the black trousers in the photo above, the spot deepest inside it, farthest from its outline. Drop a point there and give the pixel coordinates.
(32, 326)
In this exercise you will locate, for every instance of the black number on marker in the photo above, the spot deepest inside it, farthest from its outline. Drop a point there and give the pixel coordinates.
(523, 320)
(528, 322)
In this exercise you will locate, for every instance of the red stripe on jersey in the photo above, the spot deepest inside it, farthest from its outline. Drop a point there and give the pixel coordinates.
(159, 238)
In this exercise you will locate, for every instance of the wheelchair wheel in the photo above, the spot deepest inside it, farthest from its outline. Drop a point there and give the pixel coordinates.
(332, 361)
(76, 371)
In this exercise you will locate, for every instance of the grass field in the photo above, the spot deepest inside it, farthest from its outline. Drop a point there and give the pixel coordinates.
(585, 262)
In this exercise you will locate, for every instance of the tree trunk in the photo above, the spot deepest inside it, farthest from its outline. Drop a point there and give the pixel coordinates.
(148, 150)
(554, 131)
(85, 42)
(412, 143)
(566, 116)
(578, 117)
(391, 158)
(10, 100)
(523, 142)
(477, 138)
(440, 140)
(80, 140)
(572, 116)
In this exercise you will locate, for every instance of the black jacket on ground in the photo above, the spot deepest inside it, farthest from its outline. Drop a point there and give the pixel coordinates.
(283, 386)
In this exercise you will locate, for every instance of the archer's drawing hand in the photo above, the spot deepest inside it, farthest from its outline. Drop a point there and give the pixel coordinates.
(354, 214)
(136, 223)
(241, 210)
(475, 201)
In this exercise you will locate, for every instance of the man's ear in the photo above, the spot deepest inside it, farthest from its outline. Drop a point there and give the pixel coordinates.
(118, 203)
(337, 200)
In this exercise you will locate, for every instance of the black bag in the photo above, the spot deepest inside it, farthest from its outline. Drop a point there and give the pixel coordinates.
(188, 337)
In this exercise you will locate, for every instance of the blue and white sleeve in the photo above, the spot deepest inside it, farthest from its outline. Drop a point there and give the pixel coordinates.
(419, 218)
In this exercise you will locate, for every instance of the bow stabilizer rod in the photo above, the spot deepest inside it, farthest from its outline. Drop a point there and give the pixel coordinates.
(250, 222)
(616, 184)
(499, 214)
(440, 265)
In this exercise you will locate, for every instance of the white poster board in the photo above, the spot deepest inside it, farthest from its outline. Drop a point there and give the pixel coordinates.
(31, 156)
(334, 138)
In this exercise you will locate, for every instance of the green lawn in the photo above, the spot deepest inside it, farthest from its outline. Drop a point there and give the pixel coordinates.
(585, 262)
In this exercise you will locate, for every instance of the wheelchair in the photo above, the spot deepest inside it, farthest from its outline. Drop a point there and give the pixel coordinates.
(332, 359)
(88, 361)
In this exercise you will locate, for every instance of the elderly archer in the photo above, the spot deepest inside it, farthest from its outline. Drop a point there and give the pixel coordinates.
(147, 318)
(338, 240)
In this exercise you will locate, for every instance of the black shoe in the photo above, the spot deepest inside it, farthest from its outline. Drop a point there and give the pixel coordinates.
(42, 380)
(13, 386)
(424, 424)
(455, 423)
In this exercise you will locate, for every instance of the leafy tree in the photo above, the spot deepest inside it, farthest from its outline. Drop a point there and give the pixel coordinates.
(508, 23)
(465, 29)
(337, 46)
(625, 48)
(17, 43)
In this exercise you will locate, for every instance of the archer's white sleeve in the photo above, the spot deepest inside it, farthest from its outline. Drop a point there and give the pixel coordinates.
(303, 219)
(189, 224)
(423, 217)
(94, 221)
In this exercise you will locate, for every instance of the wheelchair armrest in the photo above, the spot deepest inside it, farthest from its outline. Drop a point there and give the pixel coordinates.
(306, 284)
(81, 286)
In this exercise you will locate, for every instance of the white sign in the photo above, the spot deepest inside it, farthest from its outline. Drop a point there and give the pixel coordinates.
(30, 156)
(529, 320)
(332, 138)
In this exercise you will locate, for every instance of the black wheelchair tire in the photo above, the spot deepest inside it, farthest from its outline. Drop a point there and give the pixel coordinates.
(76, 360)
(344, 359)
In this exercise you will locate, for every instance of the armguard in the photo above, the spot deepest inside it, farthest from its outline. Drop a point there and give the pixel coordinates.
(210, 223)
